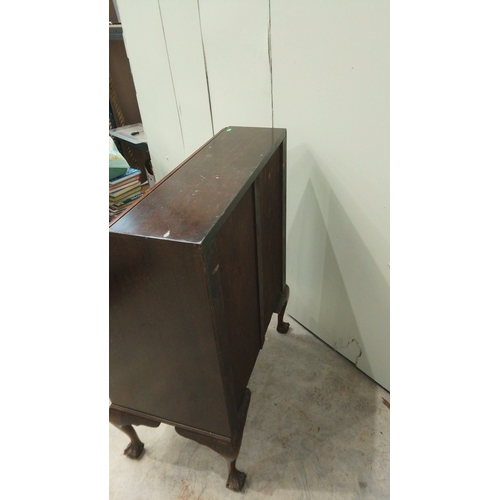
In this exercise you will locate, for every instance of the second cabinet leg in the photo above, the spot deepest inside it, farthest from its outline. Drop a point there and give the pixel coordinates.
(282, 326)
(228, 450)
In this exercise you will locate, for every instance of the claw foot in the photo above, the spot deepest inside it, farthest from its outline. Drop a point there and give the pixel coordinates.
(236, 479)
(134, 450)
(283, 327)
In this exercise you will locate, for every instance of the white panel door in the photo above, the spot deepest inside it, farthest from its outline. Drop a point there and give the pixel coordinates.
(185, 53)
(163, 43)
(235, 38)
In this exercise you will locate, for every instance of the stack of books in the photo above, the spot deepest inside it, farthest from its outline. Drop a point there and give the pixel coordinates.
(123, 190)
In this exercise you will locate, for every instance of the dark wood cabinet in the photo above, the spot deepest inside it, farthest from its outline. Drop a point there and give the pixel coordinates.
(197, 269)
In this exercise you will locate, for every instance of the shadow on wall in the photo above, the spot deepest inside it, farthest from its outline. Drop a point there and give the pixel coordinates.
(338, 291)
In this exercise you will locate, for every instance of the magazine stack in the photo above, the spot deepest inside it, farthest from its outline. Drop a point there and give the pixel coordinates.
(123, 190)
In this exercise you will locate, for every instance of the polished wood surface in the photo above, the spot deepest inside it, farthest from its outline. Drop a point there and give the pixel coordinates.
(194, 201)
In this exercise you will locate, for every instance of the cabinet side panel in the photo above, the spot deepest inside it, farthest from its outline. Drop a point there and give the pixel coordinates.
(237, 257)
(162, 355)
(269, 185)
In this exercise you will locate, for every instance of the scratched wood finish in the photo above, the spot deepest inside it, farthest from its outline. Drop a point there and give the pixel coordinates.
(189, 204)
(196, 271)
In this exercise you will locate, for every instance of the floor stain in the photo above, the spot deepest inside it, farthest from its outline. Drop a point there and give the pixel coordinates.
(386, 403)
(185, 492)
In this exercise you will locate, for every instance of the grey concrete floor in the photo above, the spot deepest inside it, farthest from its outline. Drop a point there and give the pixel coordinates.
(317, 428)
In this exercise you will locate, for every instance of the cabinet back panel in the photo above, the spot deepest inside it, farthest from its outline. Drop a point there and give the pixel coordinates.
(163, 358)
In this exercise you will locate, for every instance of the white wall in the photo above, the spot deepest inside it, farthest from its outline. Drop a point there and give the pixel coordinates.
(331, 91)
(199, 67)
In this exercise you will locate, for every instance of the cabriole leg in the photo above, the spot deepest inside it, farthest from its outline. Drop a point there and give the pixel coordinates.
(228, 450)
(235, 479)
(123, 421)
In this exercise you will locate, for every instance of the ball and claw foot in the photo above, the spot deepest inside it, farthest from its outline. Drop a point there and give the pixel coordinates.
(123, 421)
(228, 450)
(236, 478)
(134, 450)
